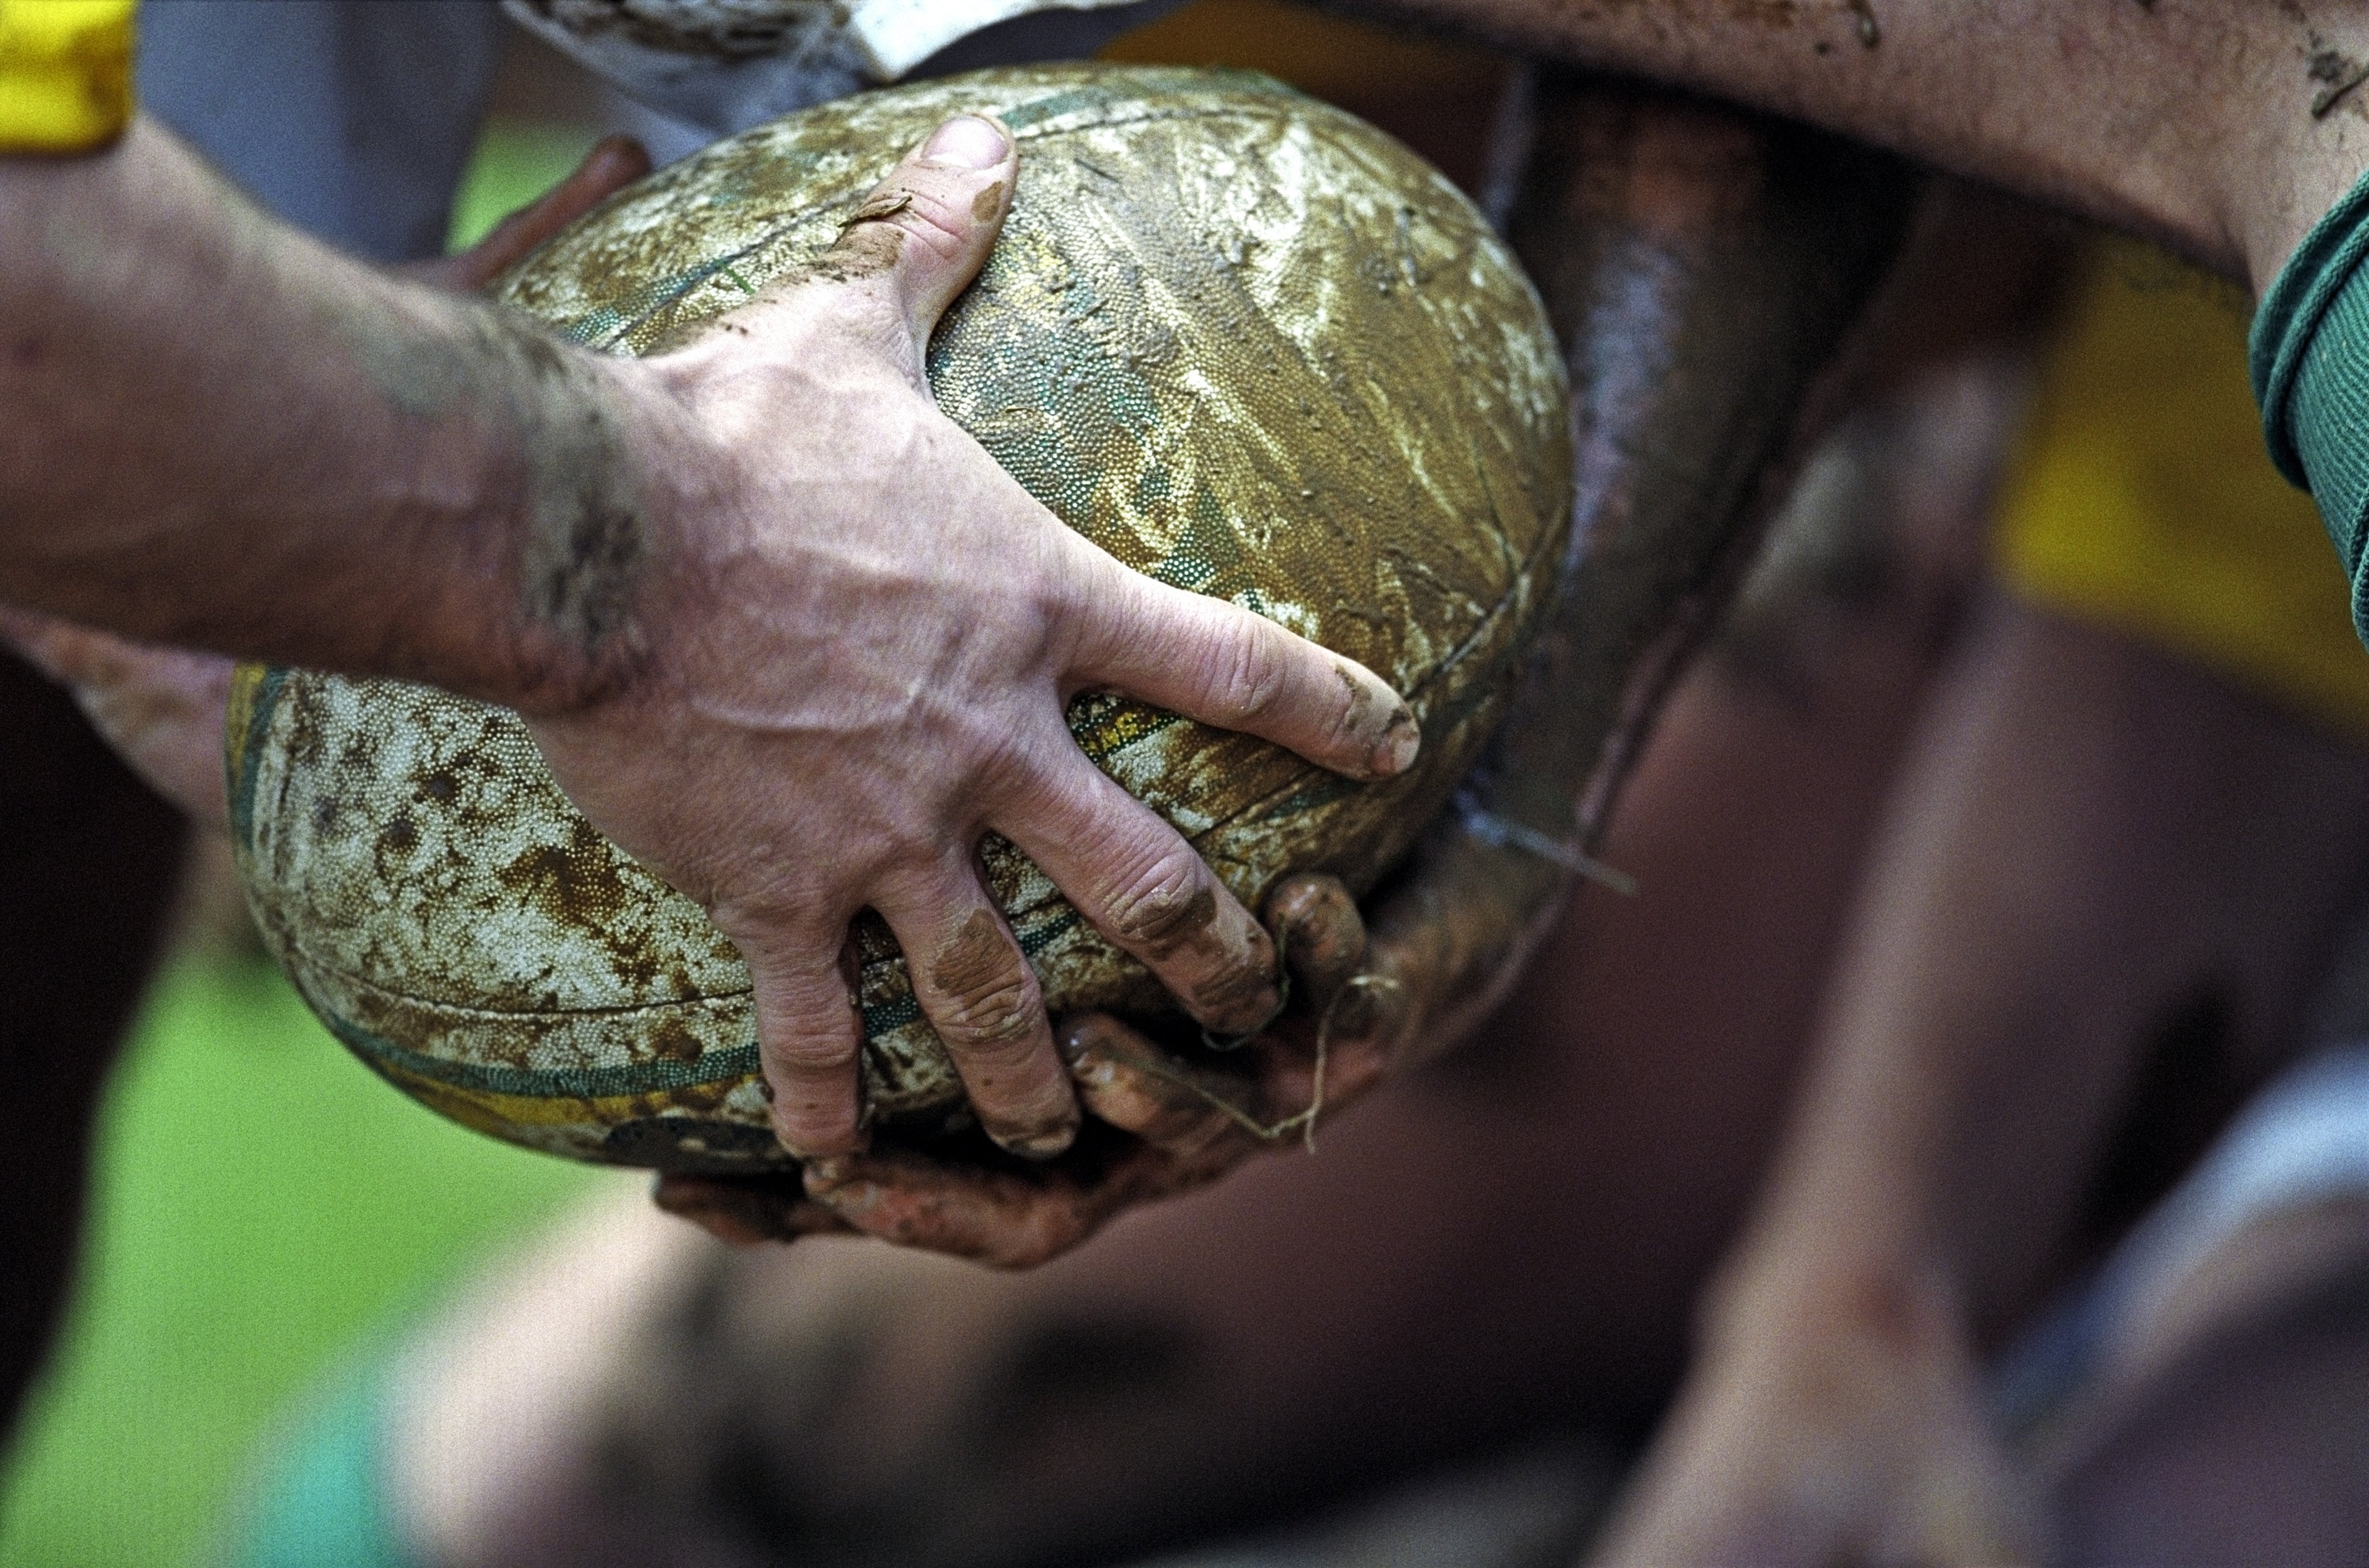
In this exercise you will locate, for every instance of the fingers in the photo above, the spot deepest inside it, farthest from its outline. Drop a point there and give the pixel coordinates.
(161, 708)
(613, 163)
(1139, 884)
(928, 227)
(809, 1030)
(745, 1211)
(67, 651)
(1322, 935)
(977, 991)
(1216, 662)
(1132, 1085)
(994, 1216)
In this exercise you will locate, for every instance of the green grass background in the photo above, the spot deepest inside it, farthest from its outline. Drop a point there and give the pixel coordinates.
(263, 1210)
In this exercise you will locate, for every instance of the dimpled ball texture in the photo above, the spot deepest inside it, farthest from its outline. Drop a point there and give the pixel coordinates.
(1240, 340)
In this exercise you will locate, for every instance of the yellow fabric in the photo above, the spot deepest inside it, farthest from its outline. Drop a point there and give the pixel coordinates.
(2145, 500)
(65, 74)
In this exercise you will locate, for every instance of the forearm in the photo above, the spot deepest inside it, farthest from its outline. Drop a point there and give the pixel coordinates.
(1835, 1398)
(1978, 1023)
(2092, 837)
(2212, 125)
(222, 434)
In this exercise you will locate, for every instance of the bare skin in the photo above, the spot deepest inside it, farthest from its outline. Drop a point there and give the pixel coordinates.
(1313, 1326)
(2087, 835)
(2204, 124)
(95, 884)
(1420, 1290)
(161, 708)
(1661, 232)
(2170, 118)
(781, 629)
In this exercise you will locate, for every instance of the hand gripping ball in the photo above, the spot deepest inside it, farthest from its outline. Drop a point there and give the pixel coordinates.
(1242, 341)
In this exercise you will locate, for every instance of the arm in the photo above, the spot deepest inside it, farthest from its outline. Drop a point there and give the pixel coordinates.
(2222, 128)
(224, 435)
(2087, 836)
(737, 589)
(162, 708)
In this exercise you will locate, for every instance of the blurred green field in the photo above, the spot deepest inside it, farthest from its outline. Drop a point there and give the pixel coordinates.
(264, 1211)
(264, 1208)
(514, 164)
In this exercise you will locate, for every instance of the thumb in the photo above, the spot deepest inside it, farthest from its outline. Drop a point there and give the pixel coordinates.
(930, 224)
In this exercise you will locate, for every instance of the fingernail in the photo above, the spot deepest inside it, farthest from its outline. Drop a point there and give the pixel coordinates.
(1396, 753)
(967, 141)
(859, 1143)
(1041, 1144)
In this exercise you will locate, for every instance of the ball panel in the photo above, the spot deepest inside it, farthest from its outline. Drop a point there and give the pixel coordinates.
(695, 1131)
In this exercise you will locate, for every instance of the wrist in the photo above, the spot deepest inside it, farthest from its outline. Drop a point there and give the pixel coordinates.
(1896, 1303)
(608, 463)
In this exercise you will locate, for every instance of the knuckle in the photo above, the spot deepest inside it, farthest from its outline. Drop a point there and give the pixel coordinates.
(911, 206)
(808, 1054)
(930, 220)
(1249, 673)
(995, 1020)
(982, 996)
(1169, 902)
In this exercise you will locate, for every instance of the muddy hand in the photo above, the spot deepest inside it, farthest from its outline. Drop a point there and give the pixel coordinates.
(1160, 1126)
(1663, 232)
(857, 638)
(1735, 254)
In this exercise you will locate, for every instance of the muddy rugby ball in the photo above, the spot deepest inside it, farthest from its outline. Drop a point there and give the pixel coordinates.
(1242, 341)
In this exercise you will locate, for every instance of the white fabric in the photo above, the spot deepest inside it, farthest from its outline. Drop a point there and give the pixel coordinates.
(2303, 1140)
(727, 65)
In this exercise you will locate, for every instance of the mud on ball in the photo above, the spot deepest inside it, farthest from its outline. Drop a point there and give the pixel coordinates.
(1242, 341)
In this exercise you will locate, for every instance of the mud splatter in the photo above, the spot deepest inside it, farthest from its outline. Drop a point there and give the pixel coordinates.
(2337, 72)
(1174, 348)
(576, 884)
(977, 967)
(1162, 923)
(879, 204)
(585, 541)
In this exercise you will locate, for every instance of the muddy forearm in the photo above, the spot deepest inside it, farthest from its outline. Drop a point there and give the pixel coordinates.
(2221, 127)
(1701, 268)
(222, 434)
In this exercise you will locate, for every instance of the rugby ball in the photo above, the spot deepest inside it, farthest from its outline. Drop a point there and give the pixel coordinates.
(1240, 339)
